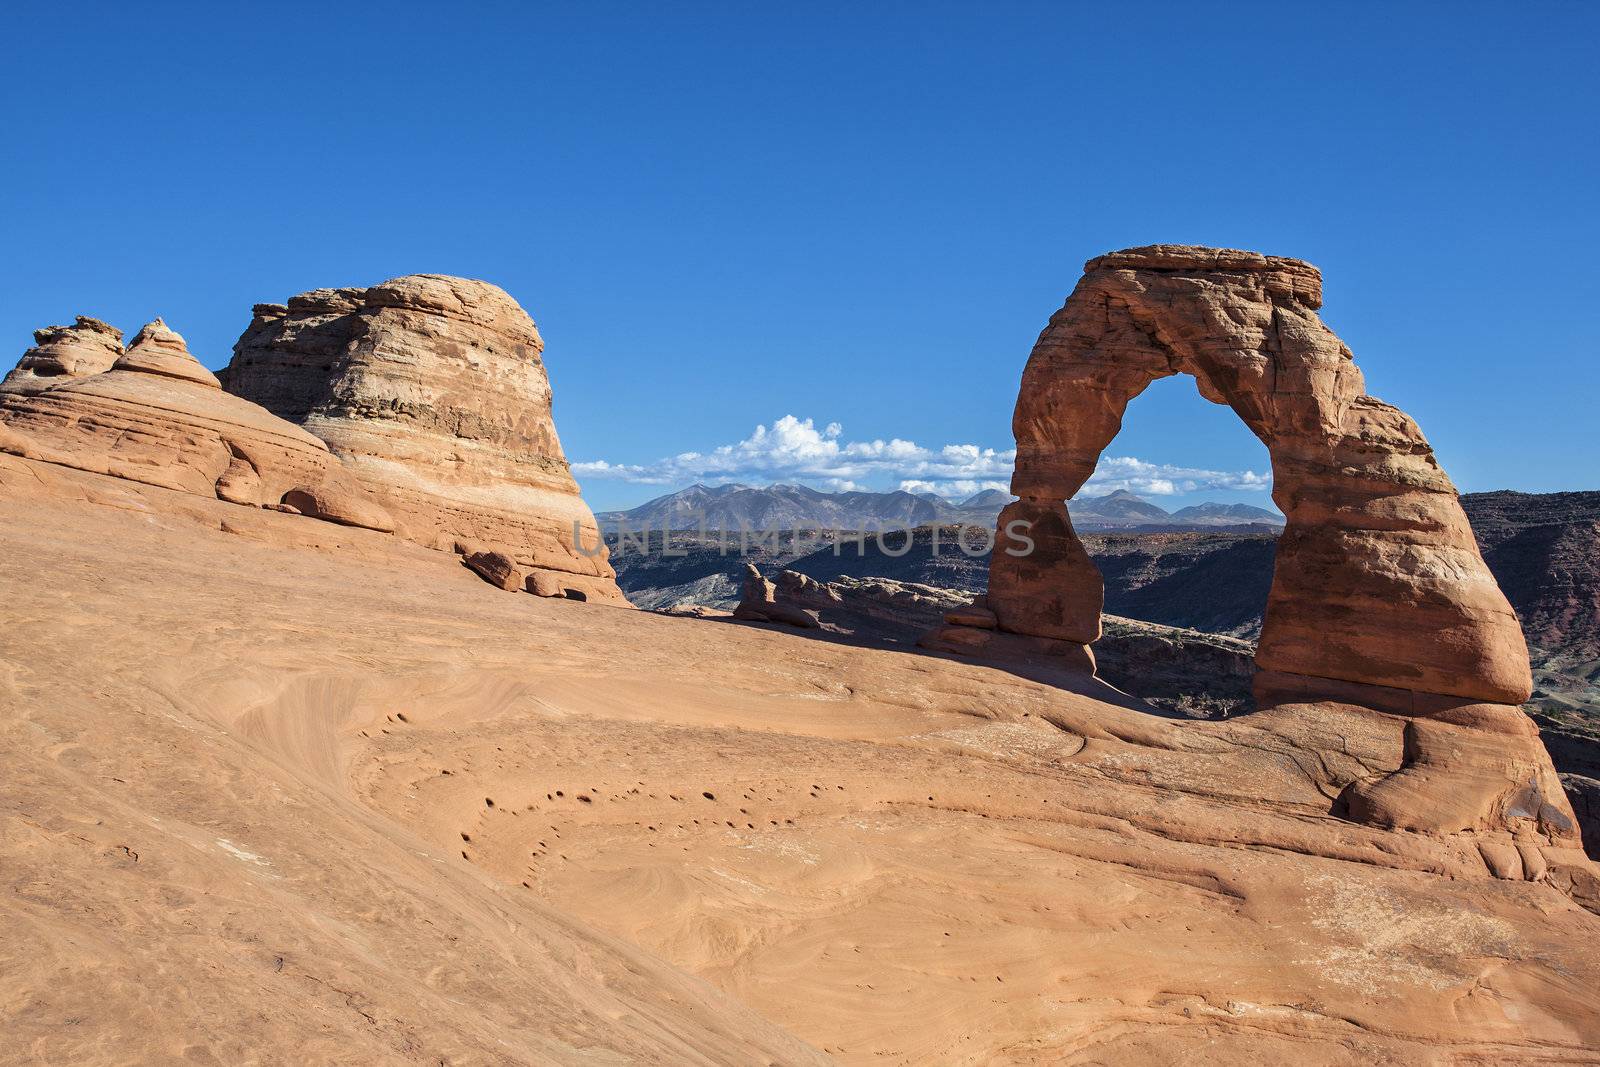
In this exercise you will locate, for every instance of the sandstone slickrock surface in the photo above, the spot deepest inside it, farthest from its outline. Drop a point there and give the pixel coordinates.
(1379, 593)
(89, 346)
(158, 417)
(276, 788)
(433, 392)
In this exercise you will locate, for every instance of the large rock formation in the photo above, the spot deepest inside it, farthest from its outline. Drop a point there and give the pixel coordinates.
(158, 417)
(1379, 596)
(432, 391)
(89, 346)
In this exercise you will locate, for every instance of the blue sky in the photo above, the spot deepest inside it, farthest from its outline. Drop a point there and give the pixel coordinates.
(723, 217)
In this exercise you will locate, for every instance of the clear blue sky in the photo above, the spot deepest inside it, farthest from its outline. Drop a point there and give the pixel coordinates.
(720, 217)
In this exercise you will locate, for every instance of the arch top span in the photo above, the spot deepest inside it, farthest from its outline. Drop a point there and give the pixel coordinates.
(1378, 580)
(1294, 277)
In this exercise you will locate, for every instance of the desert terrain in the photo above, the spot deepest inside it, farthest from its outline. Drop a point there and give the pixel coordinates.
(331, 737)
(571, 535)
(280, 791)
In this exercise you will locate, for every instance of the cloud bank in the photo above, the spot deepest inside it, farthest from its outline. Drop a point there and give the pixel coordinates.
(795, 450)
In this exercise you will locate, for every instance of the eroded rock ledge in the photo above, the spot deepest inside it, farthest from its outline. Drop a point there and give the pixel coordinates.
(89, 346)
(157, 416)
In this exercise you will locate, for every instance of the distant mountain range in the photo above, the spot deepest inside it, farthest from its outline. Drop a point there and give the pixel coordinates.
(796, 507)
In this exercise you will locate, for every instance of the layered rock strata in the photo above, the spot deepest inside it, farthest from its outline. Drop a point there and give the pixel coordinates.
(89, 346)
(157, 416)
(433, 392)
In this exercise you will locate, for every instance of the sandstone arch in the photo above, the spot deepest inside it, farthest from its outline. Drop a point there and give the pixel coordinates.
(1380, 597)
(1378, 580)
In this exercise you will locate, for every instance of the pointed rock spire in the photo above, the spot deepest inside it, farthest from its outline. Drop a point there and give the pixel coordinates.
(158, 349)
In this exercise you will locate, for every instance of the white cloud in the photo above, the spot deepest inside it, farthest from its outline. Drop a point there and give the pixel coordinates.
(960, 487)
(1164, 479)
(793, 449)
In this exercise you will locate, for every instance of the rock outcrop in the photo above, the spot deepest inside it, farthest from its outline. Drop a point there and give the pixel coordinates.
(157, 416)
(1379, 596)
(759, 602)
(496, 568)
(433, 392)
(89, 346)
(339, 499)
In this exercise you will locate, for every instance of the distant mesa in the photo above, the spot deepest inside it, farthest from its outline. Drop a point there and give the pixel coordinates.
(1545, 552)
(432, 392)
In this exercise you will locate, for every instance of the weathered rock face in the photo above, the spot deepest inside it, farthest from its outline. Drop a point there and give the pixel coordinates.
(156, 349)
(1379, 597)
(760, 603)
(159, 417)
(497, 569)
(1378, 579)
(339, 499)
(60, 352)
(432, 391)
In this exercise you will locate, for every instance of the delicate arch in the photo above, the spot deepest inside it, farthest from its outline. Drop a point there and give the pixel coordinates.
(1378, 578)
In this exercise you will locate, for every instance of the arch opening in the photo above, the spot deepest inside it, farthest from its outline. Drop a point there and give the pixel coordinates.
(1379, 596)
(1377, 579)
(1188, 544)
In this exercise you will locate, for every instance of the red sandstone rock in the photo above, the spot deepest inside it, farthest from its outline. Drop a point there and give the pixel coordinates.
(61, 352)
(980, 618)
(156, 349)
(159, 417)
(964, 640)
(544, 583)
(433, 392)
(1380, 596)
(1378, 578)
(496, 568)
(759, 602)
(339, 499)
(1050, 588)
